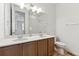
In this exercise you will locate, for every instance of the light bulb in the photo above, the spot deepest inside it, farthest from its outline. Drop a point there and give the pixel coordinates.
(27, 6)
(22, 5)
(39, 10)
(34, 8)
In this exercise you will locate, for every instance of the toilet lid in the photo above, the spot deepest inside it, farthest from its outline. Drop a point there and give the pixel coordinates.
(60, 43)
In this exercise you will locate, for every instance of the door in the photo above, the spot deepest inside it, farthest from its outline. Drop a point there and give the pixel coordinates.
(42, 47)
(30, 49)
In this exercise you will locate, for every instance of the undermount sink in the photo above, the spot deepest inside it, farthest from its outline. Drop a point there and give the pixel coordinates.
(19, 38)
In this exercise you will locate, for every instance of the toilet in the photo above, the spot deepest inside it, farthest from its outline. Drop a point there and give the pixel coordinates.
(60, 46)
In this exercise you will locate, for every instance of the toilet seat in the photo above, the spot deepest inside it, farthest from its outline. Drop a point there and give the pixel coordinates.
(60, 44)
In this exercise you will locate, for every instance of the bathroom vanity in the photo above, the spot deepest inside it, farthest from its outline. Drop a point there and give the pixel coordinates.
(43, 46)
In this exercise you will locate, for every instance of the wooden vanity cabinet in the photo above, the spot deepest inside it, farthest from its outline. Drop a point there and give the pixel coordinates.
(30, 48)
(44, 47)
(1, 52)
(14, 50)
(50, 48)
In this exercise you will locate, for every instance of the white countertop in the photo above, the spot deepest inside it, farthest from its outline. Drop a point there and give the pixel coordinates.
(12, 41)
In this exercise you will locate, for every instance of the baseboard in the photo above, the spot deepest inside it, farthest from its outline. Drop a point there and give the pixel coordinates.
(71, 52)
(67, 52)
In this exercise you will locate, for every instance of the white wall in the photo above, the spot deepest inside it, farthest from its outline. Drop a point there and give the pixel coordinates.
(1, 20)
(7, 19)
(48, 20)
(67, 25)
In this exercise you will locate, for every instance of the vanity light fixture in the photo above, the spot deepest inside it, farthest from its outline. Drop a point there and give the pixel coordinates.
(37, 10)
(31, 7)
(34, 8)
(28, 6)
(22, 5)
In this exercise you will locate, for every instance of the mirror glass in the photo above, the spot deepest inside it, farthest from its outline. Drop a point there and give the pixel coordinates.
(22, 20)
(18, 20)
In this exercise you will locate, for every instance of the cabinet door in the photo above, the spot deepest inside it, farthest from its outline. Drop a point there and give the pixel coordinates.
(51, 46)
(14, 50)
(1, 52)
(30, 49)
(42, 47)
